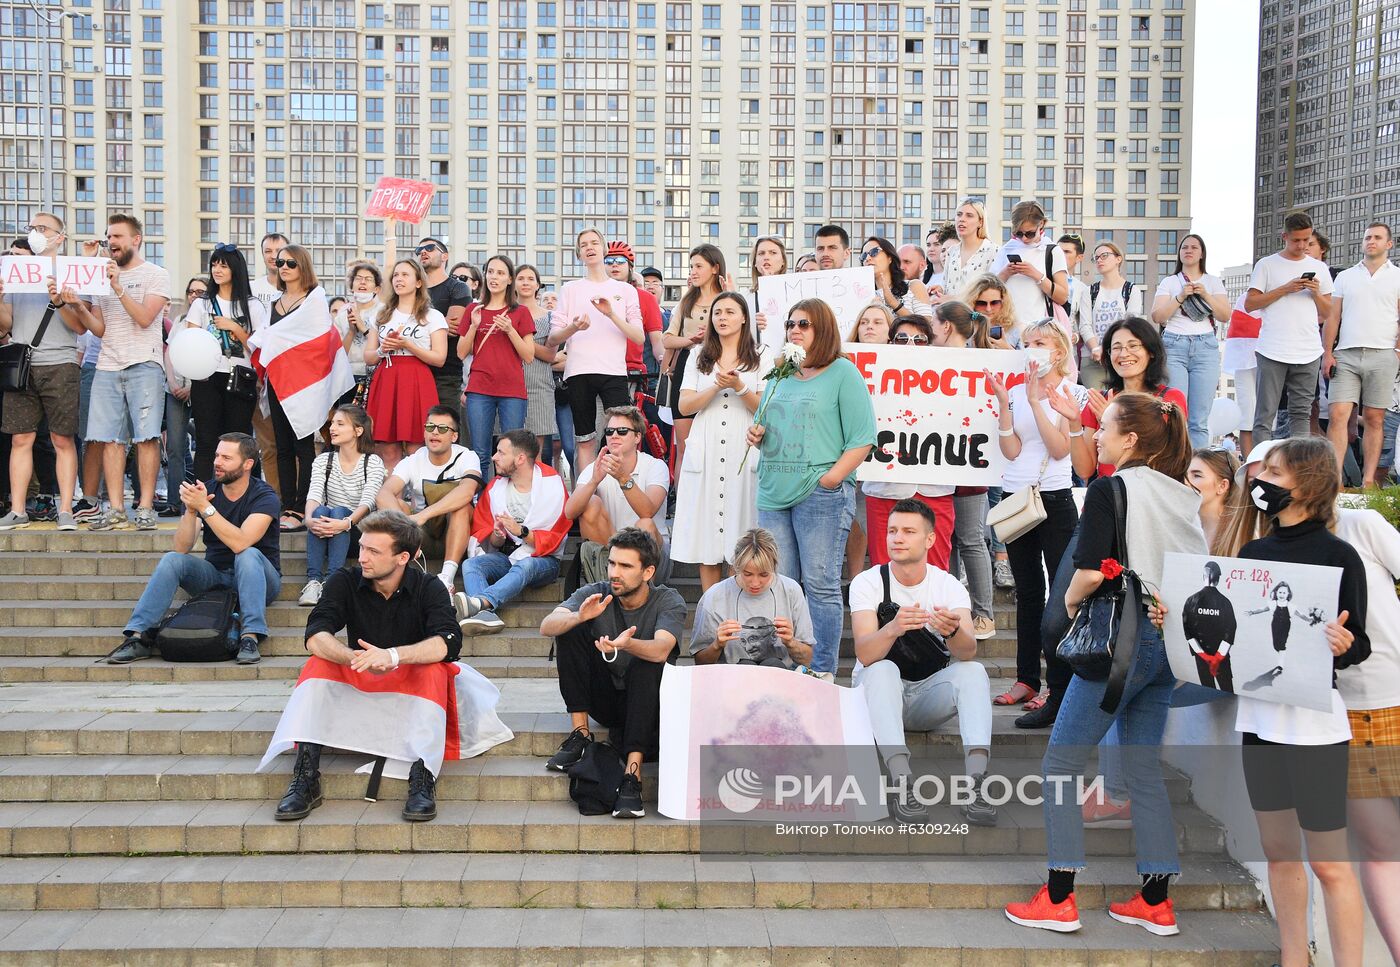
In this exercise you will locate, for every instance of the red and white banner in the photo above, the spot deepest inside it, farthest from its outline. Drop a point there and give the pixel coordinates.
(433, 712)
(401, 199)
(303, 357)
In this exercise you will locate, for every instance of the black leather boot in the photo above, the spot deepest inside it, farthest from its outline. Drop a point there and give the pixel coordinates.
(421, 805)
(304, 791)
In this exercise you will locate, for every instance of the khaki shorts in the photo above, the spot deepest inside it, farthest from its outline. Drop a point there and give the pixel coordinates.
(1366, 376)
(435, 530)
(52, 393)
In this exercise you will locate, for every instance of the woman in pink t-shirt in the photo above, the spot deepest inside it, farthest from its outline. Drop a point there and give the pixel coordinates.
(499, 334)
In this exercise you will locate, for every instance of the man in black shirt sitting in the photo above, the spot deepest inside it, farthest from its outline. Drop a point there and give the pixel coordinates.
(395, 615)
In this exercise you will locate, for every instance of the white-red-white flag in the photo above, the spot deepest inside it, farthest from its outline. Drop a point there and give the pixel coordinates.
(303, 357)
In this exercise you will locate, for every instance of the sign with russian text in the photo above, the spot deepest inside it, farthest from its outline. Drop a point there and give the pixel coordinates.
(30, 273)
(935, 413)
(83, 276)
(400, 199)
(25, 273)
(847, 291)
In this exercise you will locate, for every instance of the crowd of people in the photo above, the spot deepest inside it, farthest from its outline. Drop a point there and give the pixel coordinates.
(478, 419)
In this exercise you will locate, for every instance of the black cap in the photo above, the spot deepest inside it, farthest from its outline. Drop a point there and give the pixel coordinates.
(653, 272)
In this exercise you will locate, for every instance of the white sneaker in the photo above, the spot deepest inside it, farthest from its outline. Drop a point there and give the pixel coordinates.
(310, 594)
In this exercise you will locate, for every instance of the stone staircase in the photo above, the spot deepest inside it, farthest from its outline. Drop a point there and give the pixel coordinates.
(134, 829)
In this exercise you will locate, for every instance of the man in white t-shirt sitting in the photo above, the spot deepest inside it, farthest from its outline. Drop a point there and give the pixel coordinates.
(1364, 324)
(1291, 291)
(435, 485)
(916, 659)
(624, 487)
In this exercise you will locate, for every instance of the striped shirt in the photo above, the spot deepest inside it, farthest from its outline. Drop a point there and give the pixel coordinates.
(336, 489)
(124, 343)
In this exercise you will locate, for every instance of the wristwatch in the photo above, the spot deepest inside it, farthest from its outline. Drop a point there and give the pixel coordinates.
(629, 484)
(524, 532)
(208, 511)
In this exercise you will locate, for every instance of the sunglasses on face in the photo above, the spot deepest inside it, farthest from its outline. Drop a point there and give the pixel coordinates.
(618, 431)
(439, 428)
(911, 338)
(426, 248)
(869, 254)
(616, 260)
(1026, 236)
(987, 304)
(463, 277)
(285, 263)
(803, 324)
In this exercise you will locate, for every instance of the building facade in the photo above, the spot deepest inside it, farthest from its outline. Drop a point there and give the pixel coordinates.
(1329, 120)
(669, 124)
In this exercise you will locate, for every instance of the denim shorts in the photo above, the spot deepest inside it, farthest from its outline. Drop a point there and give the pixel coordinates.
(127, 405)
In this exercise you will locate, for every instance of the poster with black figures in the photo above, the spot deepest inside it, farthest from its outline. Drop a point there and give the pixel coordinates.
(1251, 628)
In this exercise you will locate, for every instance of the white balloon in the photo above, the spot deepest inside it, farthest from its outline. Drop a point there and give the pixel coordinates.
(194, 353)
(1225, 417)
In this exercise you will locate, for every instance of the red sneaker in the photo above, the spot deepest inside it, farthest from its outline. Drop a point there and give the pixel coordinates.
(1104, 813)
(1160, 919)
(1040, 912)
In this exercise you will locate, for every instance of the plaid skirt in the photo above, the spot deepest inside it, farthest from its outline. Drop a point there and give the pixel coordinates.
(1375, 754)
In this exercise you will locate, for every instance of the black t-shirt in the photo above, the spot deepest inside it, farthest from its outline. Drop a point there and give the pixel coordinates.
(446, 294)
(1097, 524)
(259, 498)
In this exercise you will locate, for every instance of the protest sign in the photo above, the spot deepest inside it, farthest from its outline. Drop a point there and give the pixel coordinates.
(83, 276)
(29, 273)
(1256, 629)
(847, 291)
(935, 414)
(25, 273)
(400, 199)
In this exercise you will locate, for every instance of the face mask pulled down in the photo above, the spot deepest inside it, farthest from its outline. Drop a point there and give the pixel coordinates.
(1269, 497)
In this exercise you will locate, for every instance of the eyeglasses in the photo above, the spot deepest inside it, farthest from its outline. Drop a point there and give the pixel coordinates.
(439, 428)
(285, 263)
(803, 324)
(1100, 256)
(869, 254)
(911, 338)
(45, 229)
(1117, 349)
(616, 260)
(195, 293)
(618, 431)
(429, 248)
(1026, 236)
(987, 304)
(223, 247)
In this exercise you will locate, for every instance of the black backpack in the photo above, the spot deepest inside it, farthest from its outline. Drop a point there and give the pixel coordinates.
(594, 779)
(200, 629)
(1127, 294)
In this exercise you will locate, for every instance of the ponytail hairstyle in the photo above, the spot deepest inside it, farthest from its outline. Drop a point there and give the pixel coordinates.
(1312, 463)
(1162, 442)
(965, 322)
(362, 421)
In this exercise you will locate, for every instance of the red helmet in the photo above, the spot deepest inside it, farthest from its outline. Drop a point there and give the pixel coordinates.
(623, 249)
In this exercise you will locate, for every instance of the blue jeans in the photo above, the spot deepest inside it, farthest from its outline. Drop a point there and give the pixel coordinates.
(1193, 367)
(1392, 425)
(994, 495)
(177, 447)
(811, 537)
(326, 555)
(492, 576)
(482, 411)
(253, 575)
(1141, 718)
(564, 417)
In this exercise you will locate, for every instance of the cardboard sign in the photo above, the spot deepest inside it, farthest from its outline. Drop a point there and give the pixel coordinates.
(29, 273)
(935, 414)
(847, 291)
(25, 273)
(400, 199)
(1256, 629)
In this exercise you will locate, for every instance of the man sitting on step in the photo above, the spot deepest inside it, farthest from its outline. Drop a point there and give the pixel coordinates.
(614, 639)
(237, 511)
(518, 534)
(386, 692)
(624, 487)
(916, 658)
(435, 485)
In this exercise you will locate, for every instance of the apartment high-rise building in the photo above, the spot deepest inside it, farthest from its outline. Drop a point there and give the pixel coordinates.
(1329, 120)
(669, 124)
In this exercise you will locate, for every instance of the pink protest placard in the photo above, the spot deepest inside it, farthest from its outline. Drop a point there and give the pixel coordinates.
(84, 276)
(401, 199)
(25, 273)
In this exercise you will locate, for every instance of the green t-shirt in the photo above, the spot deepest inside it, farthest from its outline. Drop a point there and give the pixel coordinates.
(811, 422)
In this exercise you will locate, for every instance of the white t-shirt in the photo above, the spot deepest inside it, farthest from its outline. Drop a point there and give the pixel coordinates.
(265, 292)
(1369, 317)
(356, 352)
(1022, 471)
(1180, 323)
(1290, 332)
(1109, 307)
(418, 467)
(649, 472)
(939, 589)
(124, 343)
(1375, 683)
(420, 334)
(199, 316)
(1029, 297)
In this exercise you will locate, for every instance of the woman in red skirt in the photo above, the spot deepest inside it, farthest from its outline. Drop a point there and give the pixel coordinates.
(408, 337)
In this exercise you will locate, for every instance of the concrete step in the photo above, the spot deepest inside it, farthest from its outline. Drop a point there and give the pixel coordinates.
(95, 778)
(338, 937)
(282, 663)
(250, 826)
(563, 880)
(283, 614)
(212, 732)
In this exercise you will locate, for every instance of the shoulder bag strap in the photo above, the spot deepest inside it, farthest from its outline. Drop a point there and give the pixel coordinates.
(885, 577)
(43, 326)
(1129, 611)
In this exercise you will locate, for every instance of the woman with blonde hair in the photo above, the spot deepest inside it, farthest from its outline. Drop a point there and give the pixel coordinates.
(971, 253)
(873, 325)
(989, 296)
(757, 603)
(409, 337)
(769, 257)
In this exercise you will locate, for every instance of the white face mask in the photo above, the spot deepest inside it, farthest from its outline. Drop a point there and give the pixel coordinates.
(363, 297)
(38, 241)
(1039, 357)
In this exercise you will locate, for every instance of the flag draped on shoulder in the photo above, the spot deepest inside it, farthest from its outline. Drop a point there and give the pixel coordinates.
(303, 358)
(546, 518)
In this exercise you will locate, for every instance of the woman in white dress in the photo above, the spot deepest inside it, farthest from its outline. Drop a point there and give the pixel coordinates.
(715, 501)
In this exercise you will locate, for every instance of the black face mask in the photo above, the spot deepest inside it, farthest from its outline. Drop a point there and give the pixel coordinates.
(1270, 497)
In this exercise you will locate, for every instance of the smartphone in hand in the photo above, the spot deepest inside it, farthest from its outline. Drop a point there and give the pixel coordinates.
(1309, 276)
(1014, 259)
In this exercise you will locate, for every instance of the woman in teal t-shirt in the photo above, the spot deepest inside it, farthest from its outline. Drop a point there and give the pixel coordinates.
(816, 430)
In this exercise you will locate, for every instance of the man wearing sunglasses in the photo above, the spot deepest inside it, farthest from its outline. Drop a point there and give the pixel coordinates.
(450, 296)
(624, 487)
(435, 485)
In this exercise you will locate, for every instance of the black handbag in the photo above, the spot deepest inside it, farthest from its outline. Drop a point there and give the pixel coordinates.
(917, 654)
(242, 382)
(594, 779)
(16, 358)
(1102, 641)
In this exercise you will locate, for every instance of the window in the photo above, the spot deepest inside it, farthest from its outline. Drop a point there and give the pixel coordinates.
(1137, 90)
(750, 17)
